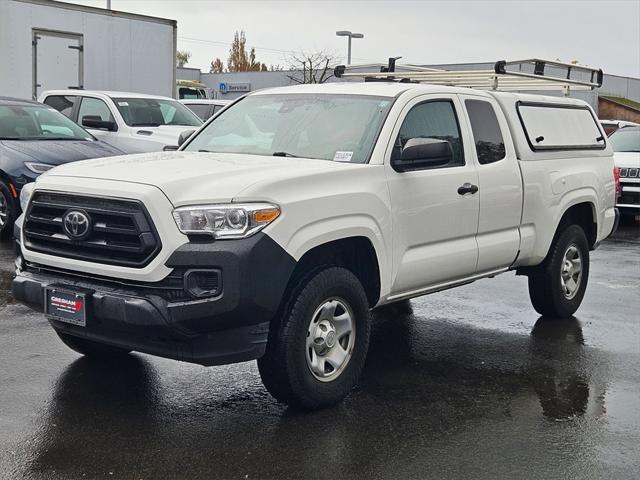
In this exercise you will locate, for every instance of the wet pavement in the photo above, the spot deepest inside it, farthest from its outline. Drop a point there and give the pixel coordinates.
(472, 384)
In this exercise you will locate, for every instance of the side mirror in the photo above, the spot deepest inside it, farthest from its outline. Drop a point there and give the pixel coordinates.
(422, 153)
(94, 121)
(184, 136)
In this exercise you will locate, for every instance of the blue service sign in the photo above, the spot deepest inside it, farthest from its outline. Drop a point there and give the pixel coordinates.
(222, 87)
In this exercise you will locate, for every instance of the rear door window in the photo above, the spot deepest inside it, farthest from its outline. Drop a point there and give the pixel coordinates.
(560, 127)
(486, 131)
(63, 103)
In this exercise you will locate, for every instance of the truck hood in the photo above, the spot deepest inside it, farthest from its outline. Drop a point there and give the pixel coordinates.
(627, 159)
(189, 178)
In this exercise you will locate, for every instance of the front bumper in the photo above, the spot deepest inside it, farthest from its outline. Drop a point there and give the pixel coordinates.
(228, 328)
(629, 200)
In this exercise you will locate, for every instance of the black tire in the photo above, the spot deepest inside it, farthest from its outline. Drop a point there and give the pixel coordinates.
(284, 369)
(7, 211)
(90, 348)
(545, 285)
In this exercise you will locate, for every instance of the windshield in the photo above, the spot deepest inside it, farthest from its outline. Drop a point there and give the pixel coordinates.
(35, 122)
(626, 140)
(152, 112)
(328, 127)
(191, 93)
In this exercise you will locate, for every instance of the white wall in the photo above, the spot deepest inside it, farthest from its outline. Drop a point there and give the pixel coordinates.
(120, 53)
(188, 73)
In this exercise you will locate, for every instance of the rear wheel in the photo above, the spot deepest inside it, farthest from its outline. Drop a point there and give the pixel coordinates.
(557, 286)
(90, 348)
(317, 350)
(7, 210)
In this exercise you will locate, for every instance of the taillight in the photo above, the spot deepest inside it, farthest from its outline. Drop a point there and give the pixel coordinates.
(616, 177)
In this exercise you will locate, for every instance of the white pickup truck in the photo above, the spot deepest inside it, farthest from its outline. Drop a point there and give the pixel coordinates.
(131, 122)
(283, 221)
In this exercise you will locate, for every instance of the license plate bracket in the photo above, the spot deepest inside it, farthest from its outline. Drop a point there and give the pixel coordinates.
(66, 305)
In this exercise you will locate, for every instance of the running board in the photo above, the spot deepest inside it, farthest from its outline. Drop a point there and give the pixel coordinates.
(444, 286)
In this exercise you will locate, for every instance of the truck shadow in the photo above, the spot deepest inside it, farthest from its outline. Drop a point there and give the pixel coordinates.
(424, 382)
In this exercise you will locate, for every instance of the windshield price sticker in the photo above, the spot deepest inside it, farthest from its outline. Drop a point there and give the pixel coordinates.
(342, 156)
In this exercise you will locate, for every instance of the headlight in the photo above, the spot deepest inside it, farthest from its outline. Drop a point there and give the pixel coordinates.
(25, 195)
(226, 221)
(38, 168)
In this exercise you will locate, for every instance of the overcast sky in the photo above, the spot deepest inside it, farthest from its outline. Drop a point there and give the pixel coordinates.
(600, 33)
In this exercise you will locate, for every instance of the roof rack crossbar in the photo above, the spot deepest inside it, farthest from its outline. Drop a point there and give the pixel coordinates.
(502, 77)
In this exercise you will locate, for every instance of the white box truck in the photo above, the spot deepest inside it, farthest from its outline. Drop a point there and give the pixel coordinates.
(47, 45)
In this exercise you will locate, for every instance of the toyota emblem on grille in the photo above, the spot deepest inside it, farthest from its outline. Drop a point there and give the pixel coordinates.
(76, 224)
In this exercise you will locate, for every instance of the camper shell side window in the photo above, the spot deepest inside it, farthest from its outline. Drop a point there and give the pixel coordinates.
(557, 127)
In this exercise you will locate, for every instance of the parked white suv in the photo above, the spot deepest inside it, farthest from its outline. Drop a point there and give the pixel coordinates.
(132, 122)
(278, 226)
(626, 147)
(205, 108)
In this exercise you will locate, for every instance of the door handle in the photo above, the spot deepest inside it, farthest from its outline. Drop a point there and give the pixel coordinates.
(467, 188)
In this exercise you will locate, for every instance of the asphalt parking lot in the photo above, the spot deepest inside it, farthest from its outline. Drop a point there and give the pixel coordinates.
(472, 384)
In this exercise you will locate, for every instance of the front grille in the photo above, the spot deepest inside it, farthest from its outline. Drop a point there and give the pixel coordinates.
(629, 198)
(171, 288)
(629, 172)
(121, 231)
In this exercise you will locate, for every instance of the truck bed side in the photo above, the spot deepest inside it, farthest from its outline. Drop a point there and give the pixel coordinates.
(557, 180)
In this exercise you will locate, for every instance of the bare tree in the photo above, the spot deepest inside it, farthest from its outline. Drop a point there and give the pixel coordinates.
(314, 67)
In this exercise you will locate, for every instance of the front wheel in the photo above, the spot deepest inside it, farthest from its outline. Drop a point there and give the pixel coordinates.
(317, 350)
(7, 210)
(558, 285)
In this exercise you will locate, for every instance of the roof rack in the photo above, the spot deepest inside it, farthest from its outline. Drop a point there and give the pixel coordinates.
(528, 74)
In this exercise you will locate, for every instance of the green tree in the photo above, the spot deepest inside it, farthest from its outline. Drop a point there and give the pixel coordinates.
(216, 66)
(182, 57)
(241, 61)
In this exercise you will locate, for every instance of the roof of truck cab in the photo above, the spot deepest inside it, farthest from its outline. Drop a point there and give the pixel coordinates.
(380, 89)
(106, 93)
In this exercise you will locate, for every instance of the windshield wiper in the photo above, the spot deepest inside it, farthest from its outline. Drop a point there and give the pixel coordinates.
(284, 154)
(55, 138)
(145, 124)
(207, 151)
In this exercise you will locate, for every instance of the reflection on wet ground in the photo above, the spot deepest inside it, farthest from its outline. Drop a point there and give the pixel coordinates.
(468, 383)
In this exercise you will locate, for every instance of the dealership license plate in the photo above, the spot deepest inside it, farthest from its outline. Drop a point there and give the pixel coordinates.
(66, 306)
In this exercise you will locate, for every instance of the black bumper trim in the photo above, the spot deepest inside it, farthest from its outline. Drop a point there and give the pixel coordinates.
(228, 328)
(144, 325)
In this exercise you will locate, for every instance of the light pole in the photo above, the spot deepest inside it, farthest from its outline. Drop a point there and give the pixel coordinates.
(350, 35)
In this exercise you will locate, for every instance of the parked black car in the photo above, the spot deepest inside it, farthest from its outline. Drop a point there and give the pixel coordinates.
(33, 139)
